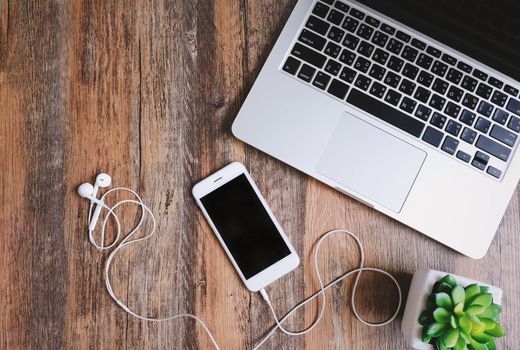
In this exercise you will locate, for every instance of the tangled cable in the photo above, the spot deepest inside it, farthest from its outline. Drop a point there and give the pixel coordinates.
(118, 244)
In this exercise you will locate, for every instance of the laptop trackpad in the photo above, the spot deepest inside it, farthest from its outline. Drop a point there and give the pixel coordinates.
(371, 162)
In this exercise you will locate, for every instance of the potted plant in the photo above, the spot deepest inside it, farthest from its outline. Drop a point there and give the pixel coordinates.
(446, 311)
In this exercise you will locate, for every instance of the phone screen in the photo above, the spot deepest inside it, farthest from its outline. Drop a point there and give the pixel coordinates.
(245, 226)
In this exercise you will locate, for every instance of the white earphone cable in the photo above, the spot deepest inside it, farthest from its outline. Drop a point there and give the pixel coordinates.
(321, 292)
(126, 241)
(323, 288)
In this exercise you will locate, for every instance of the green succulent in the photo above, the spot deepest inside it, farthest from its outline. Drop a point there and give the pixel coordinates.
(460, 318)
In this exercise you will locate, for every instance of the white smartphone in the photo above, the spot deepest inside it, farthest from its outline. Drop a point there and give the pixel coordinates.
(245, 226)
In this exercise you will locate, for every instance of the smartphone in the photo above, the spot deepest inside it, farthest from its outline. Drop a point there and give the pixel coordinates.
(245, 226)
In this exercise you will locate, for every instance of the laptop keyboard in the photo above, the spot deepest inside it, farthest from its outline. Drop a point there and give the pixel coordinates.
(465, 113)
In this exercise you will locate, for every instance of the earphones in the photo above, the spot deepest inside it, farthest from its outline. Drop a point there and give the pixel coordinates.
(89, 191)
(86, 190)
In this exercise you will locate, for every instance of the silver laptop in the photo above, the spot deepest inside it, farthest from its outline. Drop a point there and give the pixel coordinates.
(411, 107)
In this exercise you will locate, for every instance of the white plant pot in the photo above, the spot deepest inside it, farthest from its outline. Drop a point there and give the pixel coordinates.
(420, 288)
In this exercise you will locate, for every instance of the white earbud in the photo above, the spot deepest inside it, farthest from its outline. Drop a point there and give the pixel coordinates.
(88, 191)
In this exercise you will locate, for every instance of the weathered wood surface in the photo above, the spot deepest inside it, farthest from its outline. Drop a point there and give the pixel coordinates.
(147, 91)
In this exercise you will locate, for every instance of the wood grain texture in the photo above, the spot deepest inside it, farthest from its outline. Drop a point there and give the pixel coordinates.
(147, 91)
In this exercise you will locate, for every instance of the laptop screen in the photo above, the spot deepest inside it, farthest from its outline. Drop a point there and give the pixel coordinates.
(486, 30)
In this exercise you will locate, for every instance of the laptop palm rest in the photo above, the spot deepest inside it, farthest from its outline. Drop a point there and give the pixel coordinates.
(371, 162)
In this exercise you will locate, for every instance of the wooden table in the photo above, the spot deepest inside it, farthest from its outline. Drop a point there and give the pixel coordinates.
(147, 91)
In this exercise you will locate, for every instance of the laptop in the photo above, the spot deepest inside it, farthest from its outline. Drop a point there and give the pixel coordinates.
(411, 107)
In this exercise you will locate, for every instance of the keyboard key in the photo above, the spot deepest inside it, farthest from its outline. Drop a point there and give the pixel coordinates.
(469, 83)
(362, 64)
(453, 127)
(449, 59)
(332, 67)
(394, 46)
(393, 97)
(306, 73)
(386, 113)
(380, 39)
(380, 56)
(477, 163)
(437, 102)
(483, 125)
(392, 79)
(463, 156)
(372, 21)
(366, 49)
(320, 9)
(347, 74)
(409, 53)
(342, 6)
(410, 71)
(363, 82)
(424, 61)
(351, 41)
(455, 94)
(407, 105)
(402, 36)
(423, 112)
(468, 135)
(440, 86)
(480, 74)
(486, 109)
(499, 98)
(433, 136)
(335, 34)
(452, 110)
(338, 89)
(450, 145)
(308, 55)
(388, 29)
(321, 80)
(291, 65)
(503, 135)
(438, 120)
(500, 116)
(378, 90)
(481, 157)
(317, 25)
(407, 87)
(332, 49)
(467, 117)
(350, 24)
(464, 67)
(513, 106)
(377, 72)
(395, 63)
(335, 17)
(493, 148)
(422, 94)
(330, 2)
(433, 51)
(356, 13)
(495, 82)
(313, 40)
(365, 31)
(439, 68)
(418, 44)
(484, 90)
(425, 79)
(470, 101)
(454, 76)
(511, 90)
(494, 172)
(347, 57)
(514, 124)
